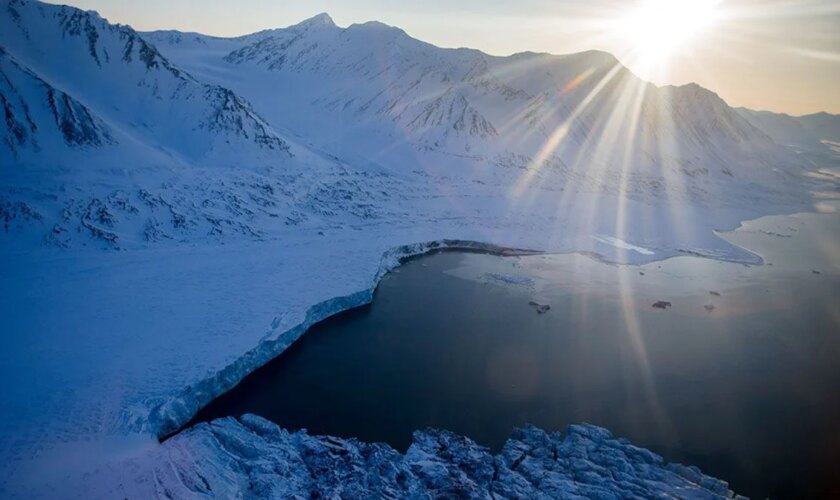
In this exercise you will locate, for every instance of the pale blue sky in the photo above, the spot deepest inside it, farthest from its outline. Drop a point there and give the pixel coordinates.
(779, 55)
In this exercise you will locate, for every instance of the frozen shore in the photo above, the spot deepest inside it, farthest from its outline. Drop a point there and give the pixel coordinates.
(178, 410)
(109, 350)
(252, 457)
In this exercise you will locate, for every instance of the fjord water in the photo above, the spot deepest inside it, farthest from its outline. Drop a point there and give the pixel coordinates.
(739, 376)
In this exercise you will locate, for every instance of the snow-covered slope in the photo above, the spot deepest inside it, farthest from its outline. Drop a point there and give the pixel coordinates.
(825, 125)
(253, 185)
(809, 133)
(317, 125)
(126, 82)
(351, 102)
(590, 109)
(106, 142)
(33, 108)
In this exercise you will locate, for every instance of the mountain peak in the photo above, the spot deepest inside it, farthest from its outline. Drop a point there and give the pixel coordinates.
(322, 19)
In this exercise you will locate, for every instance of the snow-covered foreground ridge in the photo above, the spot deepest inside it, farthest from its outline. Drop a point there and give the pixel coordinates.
(252, 457)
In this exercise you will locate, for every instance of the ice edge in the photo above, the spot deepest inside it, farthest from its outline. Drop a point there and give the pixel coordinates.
(170, 416)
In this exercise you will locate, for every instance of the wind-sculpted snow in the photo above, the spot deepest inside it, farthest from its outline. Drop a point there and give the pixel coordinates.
(253, 458)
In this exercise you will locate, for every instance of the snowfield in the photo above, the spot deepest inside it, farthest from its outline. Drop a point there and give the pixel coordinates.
(177, 209)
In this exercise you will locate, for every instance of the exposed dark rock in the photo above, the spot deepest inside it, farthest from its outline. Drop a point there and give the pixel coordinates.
(57, 237)
(540, 308)
(152, 231)
(76, 123)
(233, 114)
(20, 211)
(661, 304)
(75, 23)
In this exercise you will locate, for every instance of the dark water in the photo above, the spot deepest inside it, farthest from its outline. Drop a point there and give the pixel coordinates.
(749, 392)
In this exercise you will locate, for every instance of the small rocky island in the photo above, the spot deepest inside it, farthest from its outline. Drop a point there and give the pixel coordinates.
(540, 308)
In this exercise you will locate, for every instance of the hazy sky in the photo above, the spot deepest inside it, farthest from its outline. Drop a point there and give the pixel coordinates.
(779, 55)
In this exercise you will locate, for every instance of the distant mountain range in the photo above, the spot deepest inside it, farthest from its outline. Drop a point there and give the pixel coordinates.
(808, 132)
(117, 138)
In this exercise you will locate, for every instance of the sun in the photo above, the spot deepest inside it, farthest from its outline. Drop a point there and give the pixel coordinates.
(656, 29)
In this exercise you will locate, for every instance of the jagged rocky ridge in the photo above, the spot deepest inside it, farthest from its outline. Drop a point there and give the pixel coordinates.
(252, 457)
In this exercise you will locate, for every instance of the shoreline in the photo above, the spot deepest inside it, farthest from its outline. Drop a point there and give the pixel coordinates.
(151, 414)
(171, 417)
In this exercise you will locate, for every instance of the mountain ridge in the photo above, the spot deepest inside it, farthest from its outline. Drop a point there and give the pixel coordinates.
(131, 68)
(367, 101)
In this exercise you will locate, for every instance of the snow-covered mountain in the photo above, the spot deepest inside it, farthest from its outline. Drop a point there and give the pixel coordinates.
(466, 102)
(815, 134)
(121, 139)
(98, 125)
(120, 83)
(825, 125)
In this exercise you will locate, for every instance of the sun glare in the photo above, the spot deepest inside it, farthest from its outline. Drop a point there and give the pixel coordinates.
(657, 28)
